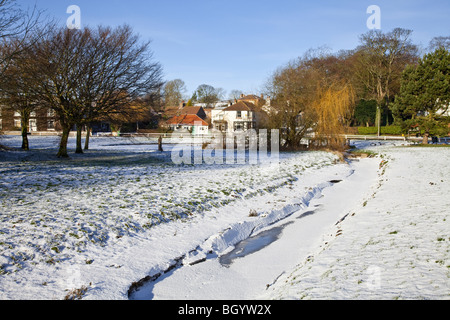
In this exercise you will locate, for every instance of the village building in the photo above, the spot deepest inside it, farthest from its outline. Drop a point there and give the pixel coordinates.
(241, 116)
(188, 123)
(259, 101)
(42, 120)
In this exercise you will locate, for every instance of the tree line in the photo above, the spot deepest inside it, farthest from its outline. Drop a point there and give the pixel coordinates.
(85, 75)
(321, 93)
(175, 92)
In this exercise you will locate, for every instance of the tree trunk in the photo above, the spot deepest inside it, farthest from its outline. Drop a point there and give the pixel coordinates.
(425, 138)
(25, 144)
(79, 147)
(62, 153)
(160, 147)
(88, 135)
(378, 120)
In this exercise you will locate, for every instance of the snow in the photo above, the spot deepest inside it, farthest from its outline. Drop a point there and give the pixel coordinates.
(395, 243)
(310, 227)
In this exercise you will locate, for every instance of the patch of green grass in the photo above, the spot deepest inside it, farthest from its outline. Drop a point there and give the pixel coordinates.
(428, 146)
(360, 152)
(56, 249)
(77, 294)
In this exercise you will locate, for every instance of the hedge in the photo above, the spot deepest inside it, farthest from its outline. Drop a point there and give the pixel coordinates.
(389, 130)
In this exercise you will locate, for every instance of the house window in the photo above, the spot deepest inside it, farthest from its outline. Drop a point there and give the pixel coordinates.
(1, 125)
(17, 123)
(51, 124)
(33, 125)
(238, 126)
(33, 114)
(239, 114)
(50, 113)
(16, 114)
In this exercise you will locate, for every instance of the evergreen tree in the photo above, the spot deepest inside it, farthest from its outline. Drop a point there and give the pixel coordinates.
(424, 96)
(365, 112)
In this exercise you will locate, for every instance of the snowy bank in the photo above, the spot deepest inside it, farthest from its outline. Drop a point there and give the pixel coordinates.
(395, 245)
(113, 216)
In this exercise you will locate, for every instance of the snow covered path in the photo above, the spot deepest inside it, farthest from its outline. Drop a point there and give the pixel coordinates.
(395, 246)
(248, 270)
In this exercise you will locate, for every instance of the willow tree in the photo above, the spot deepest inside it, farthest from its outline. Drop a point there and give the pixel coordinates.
(332, 108)
(310, 99)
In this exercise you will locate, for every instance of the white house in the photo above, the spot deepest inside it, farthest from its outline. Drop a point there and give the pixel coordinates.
(240, 116)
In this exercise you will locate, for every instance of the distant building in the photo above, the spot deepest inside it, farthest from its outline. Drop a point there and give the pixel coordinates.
(259, 101)
(188, 122)
(240, 116)
(177, 112)
(194, 110)
(41, 120)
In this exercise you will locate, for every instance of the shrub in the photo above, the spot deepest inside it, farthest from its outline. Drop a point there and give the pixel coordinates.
(388, 130)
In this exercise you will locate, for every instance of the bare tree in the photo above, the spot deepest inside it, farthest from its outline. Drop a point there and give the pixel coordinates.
(439, 42)
(235, 94)
(16, 91)
(174, 91)
(87, 74)
(382, 57)
(208, 94)
(15, 24)
(58, 71)
(120, 73)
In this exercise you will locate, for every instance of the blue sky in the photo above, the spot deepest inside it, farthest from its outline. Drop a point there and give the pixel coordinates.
(238, 44)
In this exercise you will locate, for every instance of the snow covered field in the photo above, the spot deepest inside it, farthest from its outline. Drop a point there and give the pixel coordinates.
(394, 245)
(97, 224)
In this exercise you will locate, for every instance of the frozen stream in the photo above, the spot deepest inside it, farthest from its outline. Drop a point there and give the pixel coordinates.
(252, 265)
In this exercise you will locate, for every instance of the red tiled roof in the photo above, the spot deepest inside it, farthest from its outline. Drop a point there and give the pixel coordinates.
(190, 110)
(187, 119)
(241, 106)
(250, 97)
